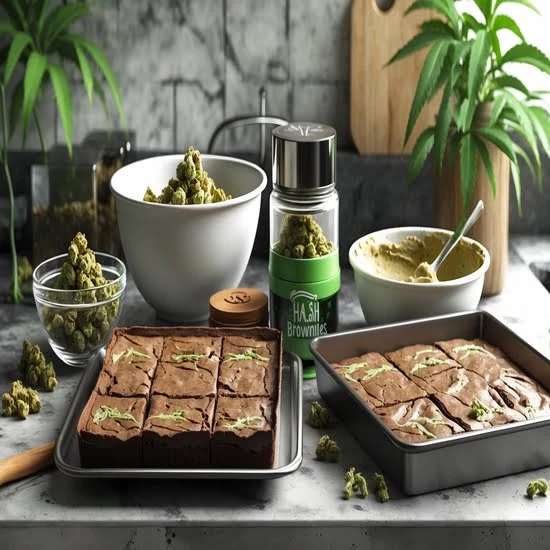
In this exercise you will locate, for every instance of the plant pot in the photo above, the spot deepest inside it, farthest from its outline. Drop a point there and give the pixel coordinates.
(492, 228)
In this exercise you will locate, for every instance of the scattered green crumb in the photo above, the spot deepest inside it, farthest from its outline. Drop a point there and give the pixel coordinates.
(381, 488)
(192, 184)
(537, 487)
(105, 412)
(319, 416)
(248, 354)
(36, 372)
(327, 450)
(20, 401)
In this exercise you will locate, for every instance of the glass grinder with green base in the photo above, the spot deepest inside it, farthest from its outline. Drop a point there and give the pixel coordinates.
(304, 269)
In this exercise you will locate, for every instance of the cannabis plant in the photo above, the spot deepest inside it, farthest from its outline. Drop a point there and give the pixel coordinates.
(465, 60)
(36, 47)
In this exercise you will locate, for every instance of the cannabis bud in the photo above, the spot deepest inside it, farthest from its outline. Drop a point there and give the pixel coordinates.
(302, 237)
(327, 450)
(319, 416)
(20, 401)
(537, 487)
(381, 488)
(192, 184)
(36, 372)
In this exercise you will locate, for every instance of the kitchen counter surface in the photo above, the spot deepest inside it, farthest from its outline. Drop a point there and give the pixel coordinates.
(60, 510)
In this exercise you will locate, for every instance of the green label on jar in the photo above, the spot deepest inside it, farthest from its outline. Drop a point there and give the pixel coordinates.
(303, 317)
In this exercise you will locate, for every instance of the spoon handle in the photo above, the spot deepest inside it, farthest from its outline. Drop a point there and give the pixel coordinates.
(458, 234)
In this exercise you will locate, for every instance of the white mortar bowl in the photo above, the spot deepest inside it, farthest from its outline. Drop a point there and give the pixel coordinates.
(386, 301)
(180, 255)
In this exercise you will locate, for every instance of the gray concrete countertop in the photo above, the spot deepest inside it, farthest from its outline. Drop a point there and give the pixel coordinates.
(152, 514)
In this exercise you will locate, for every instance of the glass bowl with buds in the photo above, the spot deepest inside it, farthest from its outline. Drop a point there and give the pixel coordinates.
(78, 296)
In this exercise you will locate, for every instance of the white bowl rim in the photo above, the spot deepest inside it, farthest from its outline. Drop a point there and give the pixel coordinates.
(479, 272)
(211, 206)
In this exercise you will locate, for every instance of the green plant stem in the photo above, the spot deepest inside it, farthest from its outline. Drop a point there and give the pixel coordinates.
(40, 135)
(16, 293)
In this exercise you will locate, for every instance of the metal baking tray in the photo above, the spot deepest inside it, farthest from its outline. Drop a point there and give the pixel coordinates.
(288, 450)
(452, 461)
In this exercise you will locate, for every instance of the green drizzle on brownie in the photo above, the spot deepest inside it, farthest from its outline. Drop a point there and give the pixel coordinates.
(245, 422)
(130, 352)
(176, 416)
(480, 411)
(418, 424)
(470, 348)
(431, 362)
(180, 358)
(248, 354)
(371, 373)
(105, 412)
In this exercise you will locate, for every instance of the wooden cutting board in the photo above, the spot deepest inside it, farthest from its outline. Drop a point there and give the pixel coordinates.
(381, 96)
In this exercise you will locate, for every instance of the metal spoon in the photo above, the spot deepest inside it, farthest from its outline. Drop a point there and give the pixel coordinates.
(426, 272)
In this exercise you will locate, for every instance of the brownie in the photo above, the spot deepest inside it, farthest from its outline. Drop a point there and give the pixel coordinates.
(244, 433)
(518, 390)
(130, 348)
(453, 387)
(417, 421)
(176, 348)
(239, 344)
(186, 380)
(123, 381)
(106, 442)
(176, 433)
(248, 378)
(380, 380)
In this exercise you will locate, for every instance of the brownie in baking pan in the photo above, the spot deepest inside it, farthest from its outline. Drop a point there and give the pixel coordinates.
(518, 390)
(187, 379)
(243, 433)
(381, 380)
(418, 420)
(109, 432)
(453, 387)
(123, 381)
(176, 432)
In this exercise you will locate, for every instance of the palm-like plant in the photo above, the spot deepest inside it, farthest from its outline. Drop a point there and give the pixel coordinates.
(39, 48)
(467, 63)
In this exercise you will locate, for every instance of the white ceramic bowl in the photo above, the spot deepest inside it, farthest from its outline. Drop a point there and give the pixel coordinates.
(387, 301)
(180, 255)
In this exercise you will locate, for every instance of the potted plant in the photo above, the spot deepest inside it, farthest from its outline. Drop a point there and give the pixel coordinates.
(40, 46)
(487, 121)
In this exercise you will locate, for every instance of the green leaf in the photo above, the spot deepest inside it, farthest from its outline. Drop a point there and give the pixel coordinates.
(7, 28)
(478, 63)
(62, 90)
(443, 123)
(36, 65)
(471, 23)
(468, 168)
(427, 82)
(438, 26)
(466, 114)
(500, 138)
(16, 105)
(415, 44)
(98, 89)
(420, 153)
(443, 7)
(527, 3)
(20, 41)
(42, 18)
(86, 70)
(514, 168)
(485, 157)
(541, 122)
(484, 7)
(498, 105)
(495, 42)
(15, 13)
(509, 81)
(527, 160)
(506, 22)
(526, 53)
(60, 19)
(101, 61)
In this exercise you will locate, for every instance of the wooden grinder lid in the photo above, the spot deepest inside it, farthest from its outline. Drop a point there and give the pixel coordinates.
(239, 306)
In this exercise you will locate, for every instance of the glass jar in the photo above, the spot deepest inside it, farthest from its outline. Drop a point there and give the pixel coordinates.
(304, 270)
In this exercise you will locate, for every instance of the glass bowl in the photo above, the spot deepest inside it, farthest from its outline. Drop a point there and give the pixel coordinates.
(78, 322)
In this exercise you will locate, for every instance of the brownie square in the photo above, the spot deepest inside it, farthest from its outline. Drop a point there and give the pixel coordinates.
(179, 349)
(417, 421)
(379, 378)
(129, 348)
(244, 433)
(247, 378)
(124, 381)
(176, 433)
(517, 389)
(186, 379)
(105, 439)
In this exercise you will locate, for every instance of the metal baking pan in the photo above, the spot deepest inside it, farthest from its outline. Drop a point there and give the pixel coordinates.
(288, 451)
(418, 468)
